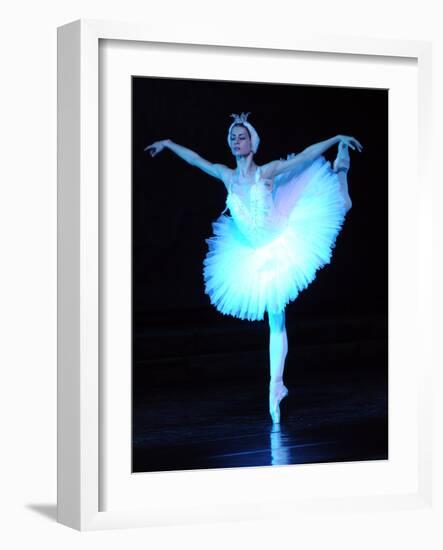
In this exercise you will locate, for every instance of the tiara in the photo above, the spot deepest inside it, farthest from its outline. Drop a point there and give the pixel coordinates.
(239, 119)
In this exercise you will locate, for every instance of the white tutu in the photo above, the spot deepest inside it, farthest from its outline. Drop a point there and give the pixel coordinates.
(271, 248)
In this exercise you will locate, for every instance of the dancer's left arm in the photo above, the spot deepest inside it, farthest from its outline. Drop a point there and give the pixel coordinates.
(277, 167)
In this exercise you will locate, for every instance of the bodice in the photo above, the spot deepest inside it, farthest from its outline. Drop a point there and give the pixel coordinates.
(254, 211)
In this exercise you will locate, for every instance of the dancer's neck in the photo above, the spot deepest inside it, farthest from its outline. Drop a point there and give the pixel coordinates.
(246, 166)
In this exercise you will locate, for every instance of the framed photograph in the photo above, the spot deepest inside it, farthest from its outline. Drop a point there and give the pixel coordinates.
(206, 380)
(238, 231)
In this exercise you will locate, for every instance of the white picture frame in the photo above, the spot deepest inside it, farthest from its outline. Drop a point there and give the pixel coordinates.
(80, 368)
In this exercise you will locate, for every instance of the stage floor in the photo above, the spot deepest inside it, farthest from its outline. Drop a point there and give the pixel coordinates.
(217, 424)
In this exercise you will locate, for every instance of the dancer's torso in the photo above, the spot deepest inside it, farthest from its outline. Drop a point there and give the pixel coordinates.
(252, 207)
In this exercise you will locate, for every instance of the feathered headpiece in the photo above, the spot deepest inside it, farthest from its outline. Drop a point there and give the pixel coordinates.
(243, 119)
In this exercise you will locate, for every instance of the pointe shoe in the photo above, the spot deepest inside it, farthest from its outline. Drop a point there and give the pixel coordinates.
(277, 392)
(343, 161)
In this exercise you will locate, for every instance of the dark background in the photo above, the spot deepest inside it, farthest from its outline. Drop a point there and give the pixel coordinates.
(337, 327)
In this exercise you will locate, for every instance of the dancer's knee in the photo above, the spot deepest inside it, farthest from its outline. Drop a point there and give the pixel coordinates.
(277, 321)
(348, 203)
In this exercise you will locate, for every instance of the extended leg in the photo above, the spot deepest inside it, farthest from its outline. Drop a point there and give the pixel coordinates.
(341, 167)
(278, 349)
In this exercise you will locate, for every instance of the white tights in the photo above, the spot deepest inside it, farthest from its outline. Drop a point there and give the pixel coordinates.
(278, 346)
(341, 166)
(278, 349)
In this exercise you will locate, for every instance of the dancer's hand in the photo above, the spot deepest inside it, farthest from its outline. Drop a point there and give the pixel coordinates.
(351, 142)
(156, 147)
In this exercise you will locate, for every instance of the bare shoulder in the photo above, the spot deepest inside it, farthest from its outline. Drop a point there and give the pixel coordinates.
(224, 173)
(269, 169)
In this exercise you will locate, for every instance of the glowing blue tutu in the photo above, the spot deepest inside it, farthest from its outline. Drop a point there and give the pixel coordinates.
(271, 247)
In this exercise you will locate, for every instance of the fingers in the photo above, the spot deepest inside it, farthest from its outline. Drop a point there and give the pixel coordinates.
(357, 144)
(353, 143)
(151, 149)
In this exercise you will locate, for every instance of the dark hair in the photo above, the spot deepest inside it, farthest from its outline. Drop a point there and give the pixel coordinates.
(243, 126)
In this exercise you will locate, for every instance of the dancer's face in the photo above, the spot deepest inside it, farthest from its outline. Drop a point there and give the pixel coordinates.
(240, 141)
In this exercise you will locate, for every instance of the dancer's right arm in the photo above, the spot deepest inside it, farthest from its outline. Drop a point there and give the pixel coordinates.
(216, 170)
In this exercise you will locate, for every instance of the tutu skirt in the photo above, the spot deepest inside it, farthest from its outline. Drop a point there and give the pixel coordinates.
(245, 279)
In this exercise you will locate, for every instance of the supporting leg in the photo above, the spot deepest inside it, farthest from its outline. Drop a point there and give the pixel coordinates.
(278, 349)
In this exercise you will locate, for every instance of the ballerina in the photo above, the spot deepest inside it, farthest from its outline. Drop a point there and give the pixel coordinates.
(285, 218)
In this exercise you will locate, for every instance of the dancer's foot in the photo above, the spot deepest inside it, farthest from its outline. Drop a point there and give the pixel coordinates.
(277, 392)
(343, 161)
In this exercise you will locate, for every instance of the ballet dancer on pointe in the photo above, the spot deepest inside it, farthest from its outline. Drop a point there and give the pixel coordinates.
(285, 218)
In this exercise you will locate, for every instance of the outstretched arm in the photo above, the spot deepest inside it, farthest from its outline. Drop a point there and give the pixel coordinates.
(309, 154)
(191, 157)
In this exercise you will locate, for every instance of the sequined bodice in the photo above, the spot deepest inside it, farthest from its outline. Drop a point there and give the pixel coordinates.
(254, 212)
